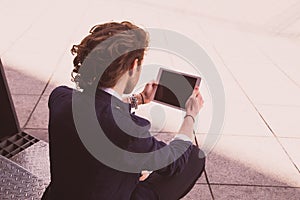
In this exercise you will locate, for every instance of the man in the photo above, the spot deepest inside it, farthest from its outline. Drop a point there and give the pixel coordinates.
(107, 65)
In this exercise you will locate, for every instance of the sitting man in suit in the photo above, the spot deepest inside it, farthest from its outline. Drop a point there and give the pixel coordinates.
(104, 70)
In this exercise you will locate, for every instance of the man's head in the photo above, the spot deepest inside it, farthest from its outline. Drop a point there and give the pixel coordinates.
(111, 49)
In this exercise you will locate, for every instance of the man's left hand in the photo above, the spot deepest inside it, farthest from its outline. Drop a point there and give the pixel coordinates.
(149, 92)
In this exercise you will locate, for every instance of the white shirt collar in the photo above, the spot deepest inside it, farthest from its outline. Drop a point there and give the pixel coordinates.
(112, 92)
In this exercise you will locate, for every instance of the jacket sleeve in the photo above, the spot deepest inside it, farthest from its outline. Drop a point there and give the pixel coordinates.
(165, 159)
(58, 94)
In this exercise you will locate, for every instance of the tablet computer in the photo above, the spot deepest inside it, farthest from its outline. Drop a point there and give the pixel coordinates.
(174, 88)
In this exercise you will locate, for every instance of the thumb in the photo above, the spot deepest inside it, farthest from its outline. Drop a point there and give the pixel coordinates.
(195, 91)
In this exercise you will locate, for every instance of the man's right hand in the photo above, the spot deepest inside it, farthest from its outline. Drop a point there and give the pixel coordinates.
(194, 103)
(149, 92)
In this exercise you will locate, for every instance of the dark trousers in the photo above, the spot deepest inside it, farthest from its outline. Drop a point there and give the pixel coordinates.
(157, 187)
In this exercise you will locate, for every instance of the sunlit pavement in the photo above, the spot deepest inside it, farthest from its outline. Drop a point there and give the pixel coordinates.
(254, 44)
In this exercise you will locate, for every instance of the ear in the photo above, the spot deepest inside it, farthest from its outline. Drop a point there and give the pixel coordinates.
(133, 67)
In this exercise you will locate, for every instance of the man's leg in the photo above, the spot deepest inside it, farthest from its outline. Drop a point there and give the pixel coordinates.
(172, 187)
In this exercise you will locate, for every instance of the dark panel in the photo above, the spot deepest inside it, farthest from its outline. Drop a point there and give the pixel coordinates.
(9, 124)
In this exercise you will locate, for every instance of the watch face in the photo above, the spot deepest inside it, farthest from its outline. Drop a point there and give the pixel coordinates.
(133, 102)
(175, 88)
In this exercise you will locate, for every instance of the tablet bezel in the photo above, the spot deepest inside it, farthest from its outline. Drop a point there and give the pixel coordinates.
(198, 80)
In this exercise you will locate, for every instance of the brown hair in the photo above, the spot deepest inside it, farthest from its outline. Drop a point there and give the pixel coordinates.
(110, 49)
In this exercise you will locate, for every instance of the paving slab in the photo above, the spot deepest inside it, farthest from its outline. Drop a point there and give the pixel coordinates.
(231, 44)
(251, 161)
(275, 48)
(274, 86)
(199, 191)
(40, 116)
(291, 145)
(62, 74)
(20, 81)
(279, 50)
(251, 192)
(241, 117)
(39, 54)
(283, 120)
(20, 20)
(264, 68)
(24, 105)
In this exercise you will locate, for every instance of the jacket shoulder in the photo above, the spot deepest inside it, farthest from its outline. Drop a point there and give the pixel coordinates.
(58, 93)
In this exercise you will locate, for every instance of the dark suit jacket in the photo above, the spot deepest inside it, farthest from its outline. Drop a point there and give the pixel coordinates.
(76, 173)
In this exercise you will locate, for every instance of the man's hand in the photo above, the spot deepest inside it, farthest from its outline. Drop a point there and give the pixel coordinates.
(149, 91)
(193, 106)
(144, 175)
(194, 103)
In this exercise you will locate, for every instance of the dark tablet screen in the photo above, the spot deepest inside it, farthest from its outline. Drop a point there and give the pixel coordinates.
(175, 88)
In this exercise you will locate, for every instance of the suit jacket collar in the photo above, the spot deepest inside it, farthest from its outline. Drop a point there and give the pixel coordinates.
(112, 100)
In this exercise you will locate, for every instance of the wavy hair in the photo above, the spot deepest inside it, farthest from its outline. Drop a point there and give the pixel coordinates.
(110, 49)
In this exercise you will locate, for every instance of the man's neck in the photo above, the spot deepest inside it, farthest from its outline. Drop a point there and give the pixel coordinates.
(121, 84)
(119, 91)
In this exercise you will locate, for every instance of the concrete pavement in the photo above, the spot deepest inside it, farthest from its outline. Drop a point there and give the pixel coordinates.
(255, 46)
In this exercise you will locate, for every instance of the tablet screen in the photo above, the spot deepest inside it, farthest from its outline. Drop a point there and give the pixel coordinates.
(174, 88)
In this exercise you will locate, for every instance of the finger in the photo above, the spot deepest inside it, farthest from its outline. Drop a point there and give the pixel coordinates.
(195, 91)
(200, 100)
(193, 100)
(154, 81)
(154, 84)
(199, 96)
(189, 101)
(147, 85)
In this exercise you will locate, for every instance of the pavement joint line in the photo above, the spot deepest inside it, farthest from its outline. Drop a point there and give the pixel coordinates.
(239, 135)
(254, 185)
(280, 15)
(277, 66)
(201, 183)
(40, 97)
(295, 165)
(51, 76)
(236, 81)
(278, 105)
(277, 139)
(249, 99)
(31, 113)
(287, 137)
(60, 58)
(45, 10)
(195, 16)
(209, 184)
(255, 107)
(266, 123)
(292, 20)
(209, 187)
(261, 116)
(25, 94)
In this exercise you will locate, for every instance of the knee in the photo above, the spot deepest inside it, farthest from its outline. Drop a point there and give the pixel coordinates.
(199, 155)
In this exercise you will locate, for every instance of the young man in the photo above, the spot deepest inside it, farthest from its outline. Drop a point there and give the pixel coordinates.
(113, 67)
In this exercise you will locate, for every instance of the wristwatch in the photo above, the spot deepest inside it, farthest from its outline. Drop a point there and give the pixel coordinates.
(133, 102)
